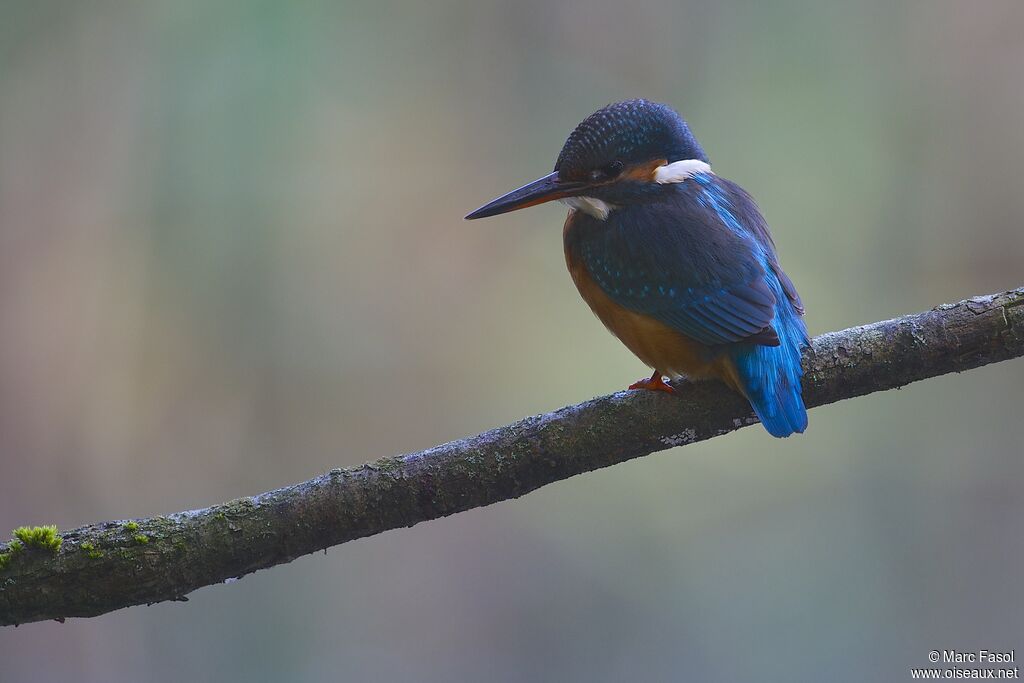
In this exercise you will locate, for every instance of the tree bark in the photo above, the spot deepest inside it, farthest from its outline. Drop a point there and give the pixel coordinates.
(110, 565)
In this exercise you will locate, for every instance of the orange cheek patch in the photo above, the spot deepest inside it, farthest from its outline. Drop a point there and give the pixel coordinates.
(644, 172)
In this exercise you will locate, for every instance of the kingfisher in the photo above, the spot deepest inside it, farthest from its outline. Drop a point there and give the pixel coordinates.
(675, 260)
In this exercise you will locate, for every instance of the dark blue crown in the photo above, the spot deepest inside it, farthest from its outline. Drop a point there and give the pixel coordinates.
(633, 131)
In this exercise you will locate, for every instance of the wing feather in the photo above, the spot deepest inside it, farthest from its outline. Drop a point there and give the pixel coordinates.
(681, 262)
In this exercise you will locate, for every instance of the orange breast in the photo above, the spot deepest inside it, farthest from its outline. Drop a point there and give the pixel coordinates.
(659, 346)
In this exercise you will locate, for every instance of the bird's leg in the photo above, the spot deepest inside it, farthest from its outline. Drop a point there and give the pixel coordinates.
(653, 383)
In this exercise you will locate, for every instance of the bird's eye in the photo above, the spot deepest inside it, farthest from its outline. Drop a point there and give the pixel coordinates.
(607, 172)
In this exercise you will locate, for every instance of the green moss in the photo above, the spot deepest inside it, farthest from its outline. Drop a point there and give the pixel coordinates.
(45, 537)
(141, 539)
(130, 526)
(14, 548)
(90, 551)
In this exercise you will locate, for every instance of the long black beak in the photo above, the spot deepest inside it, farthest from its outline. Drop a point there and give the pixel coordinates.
(539, 191)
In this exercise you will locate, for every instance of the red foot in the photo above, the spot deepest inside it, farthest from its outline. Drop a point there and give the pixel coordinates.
(653, 383)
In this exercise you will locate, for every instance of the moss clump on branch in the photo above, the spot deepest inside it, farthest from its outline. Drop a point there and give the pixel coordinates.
(132, 527)
(14, 549)
(90, 551)
(43, 537)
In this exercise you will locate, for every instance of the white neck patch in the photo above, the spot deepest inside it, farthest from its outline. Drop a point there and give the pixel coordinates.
(678, 171)
(591, 205)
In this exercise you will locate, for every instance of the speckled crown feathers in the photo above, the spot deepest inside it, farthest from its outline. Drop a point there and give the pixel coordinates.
(631, 131)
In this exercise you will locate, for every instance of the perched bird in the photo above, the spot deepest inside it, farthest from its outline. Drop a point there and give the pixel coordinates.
(676, 261)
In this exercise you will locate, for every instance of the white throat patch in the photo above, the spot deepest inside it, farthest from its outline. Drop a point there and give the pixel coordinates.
(678, 171)
(591, 205)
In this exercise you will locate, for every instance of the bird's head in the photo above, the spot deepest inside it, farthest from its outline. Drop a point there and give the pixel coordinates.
(623, 153)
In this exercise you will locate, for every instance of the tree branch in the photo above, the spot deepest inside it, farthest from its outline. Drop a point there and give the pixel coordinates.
(103, 567)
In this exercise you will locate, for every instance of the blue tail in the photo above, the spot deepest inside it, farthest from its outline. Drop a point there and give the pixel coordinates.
(770, 375)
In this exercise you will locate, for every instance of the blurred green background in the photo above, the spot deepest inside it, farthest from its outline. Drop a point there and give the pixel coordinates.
(232, 256)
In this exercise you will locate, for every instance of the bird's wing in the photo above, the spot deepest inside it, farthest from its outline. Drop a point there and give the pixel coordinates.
(684, 264)
(755, 223)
